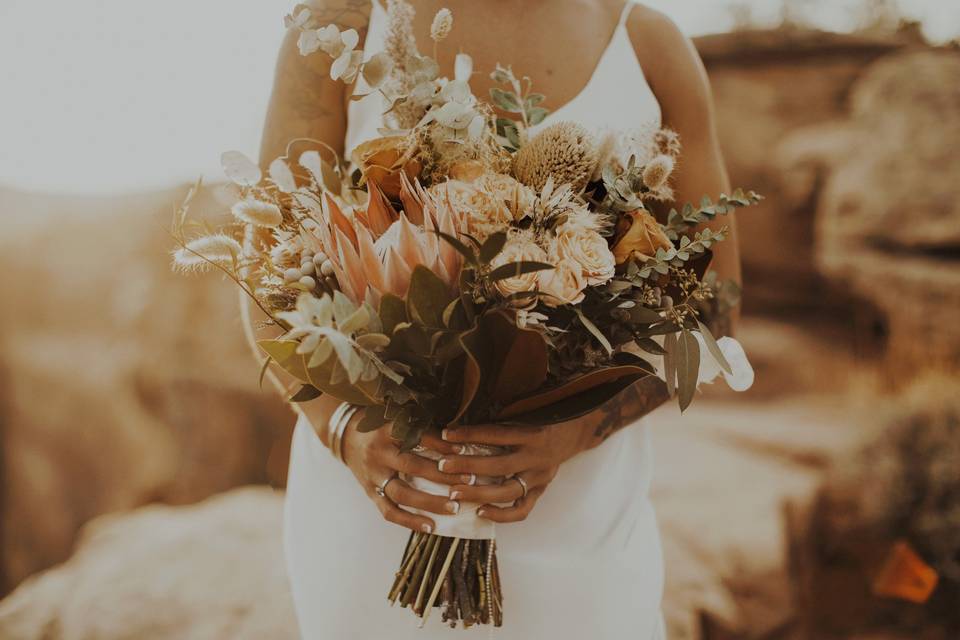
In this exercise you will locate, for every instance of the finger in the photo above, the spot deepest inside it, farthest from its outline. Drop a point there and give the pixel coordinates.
(434, 443)
(405, 495)
(392, 513)
(516, 513)
(502, 465)
(508, 491)
(413, 465)
(492, 434)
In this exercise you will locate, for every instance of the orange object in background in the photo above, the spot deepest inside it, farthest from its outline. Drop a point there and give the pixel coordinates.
(905, 576)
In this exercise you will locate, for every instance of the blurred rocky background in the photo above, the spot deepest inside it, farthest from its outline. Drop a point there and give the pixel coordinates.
(142, 467)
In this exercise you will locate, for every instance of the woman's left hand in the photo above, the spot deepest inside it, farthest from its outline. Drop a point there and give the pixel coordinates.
(535, 454)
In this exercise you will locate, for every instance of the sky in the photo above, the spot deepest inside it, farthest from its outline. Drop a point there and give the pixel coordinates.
(108, 96)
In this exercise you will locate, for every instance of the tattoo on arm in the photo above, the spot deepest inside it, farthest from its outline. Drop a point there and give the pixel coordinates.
(633, 403)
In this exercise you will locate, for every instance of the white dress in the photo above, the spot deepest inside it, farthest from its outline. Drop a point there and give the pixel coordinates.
(587, 563)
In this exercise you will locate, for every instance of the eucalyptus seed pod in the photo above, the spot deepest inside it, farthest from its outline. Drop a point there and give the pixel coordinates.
(565, 150)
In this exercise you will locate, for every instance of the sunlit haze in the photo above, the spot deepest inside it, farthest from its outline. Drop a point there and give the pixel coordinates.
(116, 95)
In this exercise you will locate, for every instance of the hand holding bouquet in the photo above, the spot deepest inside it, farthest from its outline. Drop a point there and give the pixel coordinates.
(468, 270)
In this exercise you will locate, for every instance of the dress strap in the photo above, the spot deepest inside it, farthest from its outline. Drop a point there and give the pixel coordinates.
(627, 7)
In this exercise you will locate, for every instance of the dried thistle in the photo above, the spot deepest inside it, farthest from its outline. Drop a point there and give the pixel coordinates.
(565, 151)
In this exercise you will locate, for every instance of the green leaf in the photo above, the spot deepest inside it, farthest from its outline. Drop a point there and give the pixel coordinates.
(592, 328)
(515, 269)
(469, 255)
(714, 348)
(650, 346)
(393, 311)
(688, 367)
(427, 298)
(534, 99)
(670, 361)
(492, 247)
(284, 353)
(373, 418)
(306, 393)
(536, 115)
(513, 136)
(506, 100)
(373, 341)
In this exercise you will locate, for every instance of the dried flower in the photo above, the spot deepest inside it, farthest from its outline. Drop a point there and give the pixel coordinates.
(442, 25)
(642, 238)
(657, 172)
(565, 150)
(257, 213)
(207, 252)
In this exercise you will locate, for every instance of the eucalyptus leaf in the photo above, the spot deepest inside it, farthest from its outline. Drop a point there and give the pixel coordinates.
(536, 115)
(688, 367)
(393, 312)
(592, 328)
(506, 100)
(373, 418)
(670, 361)
(492, 246)
(714, 348)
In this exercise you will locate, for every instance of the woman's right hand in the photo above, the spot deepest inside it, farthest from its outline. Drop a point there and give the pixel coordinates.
(375, 457)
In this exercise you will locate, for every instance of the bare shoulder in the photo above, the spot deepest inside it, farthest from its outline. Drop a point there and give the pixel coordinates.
(346, 14)
(669, 59)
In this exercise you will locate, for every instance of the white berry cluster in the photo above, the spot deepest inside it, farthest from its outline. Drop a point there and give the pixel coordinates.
(313, 266)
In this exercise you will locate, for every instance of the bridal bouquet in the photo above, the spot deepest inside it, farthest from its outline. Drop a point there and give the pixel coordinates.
(468, 267)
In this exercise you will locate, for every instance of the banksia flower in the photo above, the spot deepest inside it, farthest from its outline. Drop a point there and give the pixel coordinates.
(657, 172)
(207, 252)
(257, 213)
(566, 151)
(442, 25)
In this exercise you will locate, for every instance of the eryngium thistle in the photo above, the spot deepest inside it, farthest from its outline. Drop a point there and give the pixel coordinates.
(207, 252)
(657, 172)
(565, 150)
(442, 25)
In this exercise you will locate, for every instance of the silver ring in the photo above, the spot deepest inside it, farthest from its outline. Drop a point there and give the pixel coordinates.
(382, 487)
(523, 485)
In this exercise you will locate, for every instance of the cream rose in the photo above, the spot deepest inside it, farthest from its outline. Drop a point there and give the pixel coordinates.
(520, 248)
(563, 284)
(588, 249)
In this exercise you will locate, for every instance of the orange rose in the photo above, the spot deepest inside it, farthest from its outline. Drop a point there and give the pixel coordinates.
(382, 159)
(642, 239)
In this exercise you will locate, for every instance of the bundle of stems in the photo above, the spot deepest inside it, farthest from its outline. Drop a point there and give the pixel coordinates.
(458, 575)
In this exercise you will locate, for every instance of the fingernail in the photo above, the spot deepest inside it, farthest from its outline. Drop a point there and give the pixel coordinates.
(453, 507)
(445, 433)
(481, 513)
(456, 495)
(459, 448)
(426, 528)
(470, 479)
(442, 464)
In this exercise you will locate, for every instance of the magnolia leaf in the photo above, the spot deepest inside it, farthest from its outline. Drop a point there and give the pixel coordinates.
(240, 169)
(714, 348)
(323, 351)
(281, 176)
(393, 311)
(263, 371)
(688, 367)
(373, 418)
(376, 69)
(515, 269)
(330, 379)
(576, 397)
(428, 296)
(592, 328)
(492, 246)
(518, 357)
(306, 393)
(357, 320)
(283, 353)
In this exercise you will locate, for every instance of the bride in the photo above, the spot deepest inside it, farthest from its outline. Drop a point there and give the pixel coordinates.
(577, 537)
